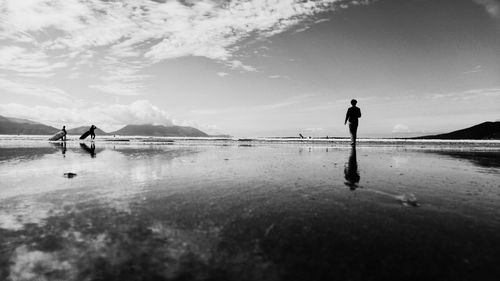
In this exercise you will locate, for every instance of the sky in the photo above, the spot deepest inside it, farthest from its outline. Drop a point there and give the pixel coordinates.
(252, 67)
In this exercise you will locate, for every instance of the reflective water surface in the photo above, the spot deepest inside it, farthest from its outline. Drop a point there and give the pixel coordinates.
(247, 212)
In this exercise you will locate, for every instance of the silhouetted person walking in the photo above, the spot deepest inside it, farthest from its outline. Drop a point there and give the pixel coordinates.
(352, 115)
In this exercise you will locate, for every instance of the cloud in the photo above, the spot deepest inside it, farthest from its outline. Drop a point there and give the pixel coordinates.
(400, 128)
(476, 69)
(279, 77)
(40, 36)
(31, 63)
(109, 117)
(491, 6)
(222, 74)
(23, 87)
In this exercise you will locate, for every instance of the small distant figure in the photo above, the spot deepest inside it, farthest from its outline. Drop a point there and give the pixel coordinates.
(92, 133)
(65, 133)
(301, 136)
(352, 115)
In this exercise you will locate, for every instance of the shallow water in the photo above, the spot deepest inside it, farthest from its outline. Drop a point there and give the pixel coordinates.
(209, 210)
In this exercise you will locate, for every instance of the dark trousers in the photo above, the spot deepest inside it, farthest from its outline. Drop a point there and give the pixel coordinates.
(353, 129)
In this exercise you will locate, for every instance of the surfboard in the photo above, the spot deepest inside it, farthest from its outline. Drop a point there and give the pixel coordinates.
(57, 136)
(86, 134)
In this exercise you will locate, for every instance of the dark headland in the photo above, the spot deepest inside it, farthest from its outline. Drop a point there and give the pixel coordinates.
(16, 126)
(483, 131)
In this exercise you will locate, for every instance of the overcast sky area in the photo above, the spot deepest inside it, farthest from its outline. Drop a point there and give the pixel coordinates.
(253, 67)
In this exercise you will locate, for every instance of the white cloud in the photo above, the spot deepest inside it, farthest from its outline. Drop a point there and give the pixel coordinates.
(476, 69)
(400, 128)
(302, 29)
(115, 41)
(491, 6)
(108, 117)
(23, 87)
(321, 20)
(236, 64)
(32, 63)
(222, 74)
(279, 76)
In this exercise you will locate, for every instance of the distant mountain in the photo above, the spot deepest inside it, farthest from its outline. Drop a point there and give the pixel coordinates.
(486, 130)
(83, 129)
(159, 130)
(16, 126)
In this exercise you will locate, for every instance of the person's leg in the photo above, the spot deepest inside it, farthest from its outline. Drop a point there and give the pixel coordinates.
(353, 129)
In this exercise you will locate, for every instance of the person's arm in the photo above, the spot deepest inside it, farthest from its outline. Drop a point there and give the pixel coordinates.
(346, 117)
(359, 113)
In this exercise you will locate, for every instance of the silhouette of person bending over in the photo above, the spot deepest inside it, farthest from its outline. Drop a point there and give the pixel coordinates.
(92, 133)
(352, 115)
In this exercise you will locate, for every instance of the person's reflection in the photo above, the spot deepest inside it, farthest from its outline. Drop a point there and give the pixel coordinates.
(63, 148)
(351, 171)
(90, 150)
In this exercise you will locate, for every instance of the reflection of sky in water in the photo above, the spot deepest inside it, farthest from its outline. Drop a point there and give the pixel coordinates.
(222, 212)
(120, 172)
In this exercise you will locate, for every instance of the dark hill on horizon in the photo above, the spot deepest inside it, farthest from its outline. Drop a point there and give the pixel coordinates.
(159, 131)
(483, 131)
(17, 126)
(82, 129)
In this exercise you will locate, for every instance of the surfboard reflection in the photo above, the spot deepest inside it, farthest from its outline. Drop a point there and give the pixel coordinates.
(90, 150)
(351, 171)
(62, 146)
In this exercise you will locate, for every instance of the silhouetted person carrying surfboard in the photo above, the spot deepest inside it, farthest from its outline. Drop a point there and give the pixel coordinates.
(352, 115)
(89, 132)
(92, 133)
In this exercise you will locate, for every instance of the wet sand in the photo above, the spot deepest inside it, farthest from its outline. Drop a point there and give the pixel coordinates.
(241, 211)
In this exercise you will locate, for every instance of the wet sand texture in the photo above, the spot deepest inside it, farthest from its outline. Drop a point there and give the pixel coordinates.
(264, 212)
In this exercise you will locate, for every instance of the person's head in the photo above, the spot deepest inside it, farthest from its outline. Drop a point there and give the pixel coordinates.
(354, 102)
(64, 127)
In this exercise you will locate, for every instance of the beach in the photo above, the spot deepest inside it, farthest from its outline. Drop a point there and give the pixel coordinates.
(201, 209)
